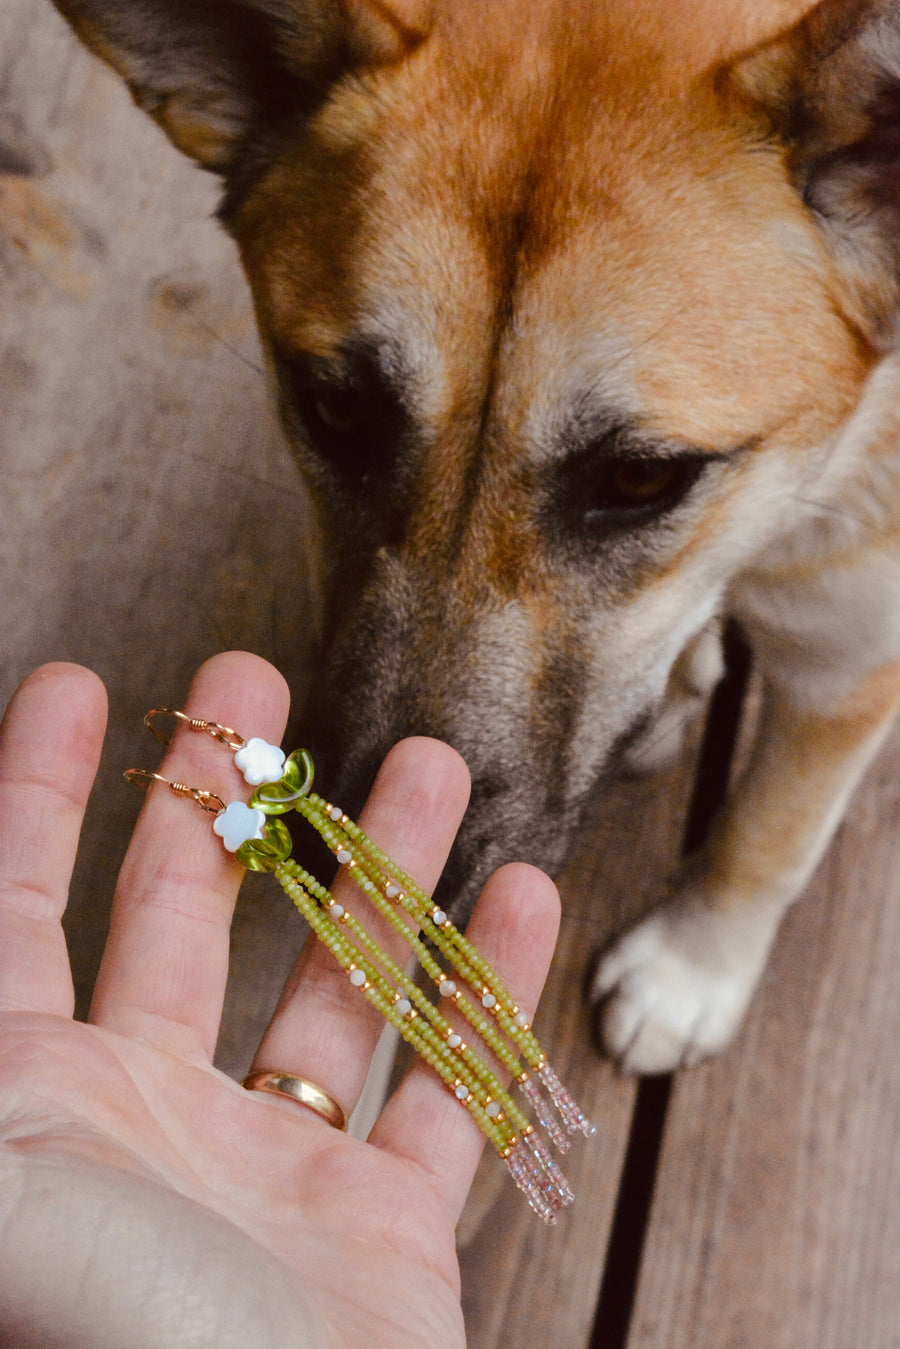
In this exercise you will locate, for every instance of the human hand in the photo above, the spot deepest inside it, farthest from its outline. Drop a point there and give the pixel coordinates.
(145, 1198)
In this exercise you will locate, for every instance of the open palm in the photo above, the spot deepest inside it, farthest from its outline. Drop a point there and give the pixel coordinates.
(145, 1198)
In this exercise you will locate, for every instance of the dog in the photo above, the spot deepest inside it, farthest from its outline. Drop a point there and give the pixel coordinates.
(583, 317)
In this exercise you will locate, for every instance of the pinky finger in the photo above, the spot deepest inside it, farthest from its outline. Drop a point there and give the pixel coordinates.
(50, 744)
(515, 926)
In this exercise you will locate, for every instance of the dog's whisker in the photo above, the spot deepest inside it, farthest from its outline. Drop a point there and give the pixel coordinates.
(217, 337)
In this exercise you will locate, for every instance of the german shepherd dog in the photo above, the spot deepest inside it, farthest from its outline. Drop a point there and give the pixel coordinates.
(584, 319)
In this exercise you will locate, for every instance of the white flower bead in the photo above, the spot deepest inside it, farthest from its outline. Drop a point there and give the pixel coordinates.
(237, 824)
(260, 762)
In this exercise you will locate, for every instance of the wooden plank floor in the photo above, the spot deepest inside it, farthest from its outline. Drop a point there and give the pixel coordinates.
(150, 514)
(525, 1284)
(776, 1219)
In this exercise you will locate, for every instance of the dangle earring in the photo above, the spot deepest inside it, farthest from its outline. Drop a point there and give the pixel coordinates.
(261, 841)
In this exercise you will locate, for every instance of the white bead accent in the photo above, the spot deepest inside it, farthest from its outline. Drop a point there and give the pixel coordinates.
(238, 823)
(260, 762)
(357, 978)
(492, 1109)
(462, 1092)
(439, 917)
(392, 890)
(403, 1005)
(521, 1020)
(446, 988)
(343, 856)
(337, 910)
(335, 812)
(488, 1000)
(454, 1040)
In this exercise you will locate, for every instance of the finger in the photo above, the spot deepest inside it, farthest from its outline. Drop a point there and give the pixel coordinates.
(50, 745)
(166, 961)
(514, 926)
(323, 1029)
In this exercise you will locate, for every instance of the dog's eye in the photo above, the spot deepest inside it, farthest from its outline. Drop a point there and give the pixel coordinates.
(640, 484)
(355, 422)
(607, 494)
(335, 411)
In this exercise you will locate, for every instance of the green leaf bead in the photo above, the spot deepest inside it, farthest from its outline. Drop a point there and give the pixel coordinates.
(265, 854)
(276, 798)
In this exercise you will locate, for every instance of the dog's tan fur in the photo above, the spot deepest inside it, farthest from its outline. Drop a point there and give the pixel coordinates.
(577, 228)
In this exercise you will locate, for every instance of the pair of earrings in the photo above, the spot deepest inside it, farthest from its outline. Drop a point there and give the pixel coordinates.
(465, 981)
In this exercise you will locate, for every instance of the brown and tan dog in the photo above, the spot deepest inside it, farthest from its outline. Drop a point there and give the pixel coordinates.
(584, 317)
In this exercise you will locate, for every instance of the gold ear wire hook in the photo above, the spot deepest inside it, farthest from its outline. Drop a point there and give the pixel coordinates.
(143, 778)
(224, 734)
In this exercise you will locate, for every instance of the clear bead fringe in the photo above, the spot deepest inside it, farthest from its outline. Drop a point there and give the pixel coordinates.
(557, 1186)
(545, 1113)
(572, 1115)
(541, 1188)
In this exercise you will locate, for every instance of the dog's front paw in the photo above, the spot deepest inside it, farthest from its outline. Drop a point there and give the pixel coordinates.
(675, 988)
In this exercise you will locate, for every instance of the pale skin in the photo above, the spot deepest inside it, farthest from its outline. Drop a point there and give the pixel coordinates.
(145, 1198)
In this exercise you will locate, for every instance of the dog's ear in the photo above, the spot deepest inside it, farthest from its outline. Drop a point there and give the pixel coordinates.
(830, 92)
(211, 72)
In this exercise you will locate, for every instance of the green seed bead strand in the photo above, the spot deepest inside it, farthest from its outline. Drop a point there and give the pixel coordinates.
(480, 1079)
(375, 883)
(353, 840)
(364, 868)
(465, 958)
(400, 978)
(373, 888)
(469, 1009)
(423, 1039)
(445, 935)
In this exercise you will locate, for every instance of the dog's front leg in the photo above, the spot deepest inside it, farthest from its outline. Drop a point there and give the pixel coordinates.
(676, 987)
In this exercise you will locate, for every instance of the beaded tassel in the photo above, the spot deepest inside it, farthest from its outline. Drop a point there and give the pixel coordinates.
(262, 843)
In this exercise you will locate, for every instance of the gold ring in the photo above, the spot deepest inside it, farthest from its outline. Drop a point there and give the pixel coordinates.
(298, 1089)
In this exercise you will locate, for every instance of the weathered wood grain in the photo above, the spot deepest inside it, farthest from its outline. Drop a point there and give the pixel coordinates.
(776, 1221)
(150, 514)
(526, 1286)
